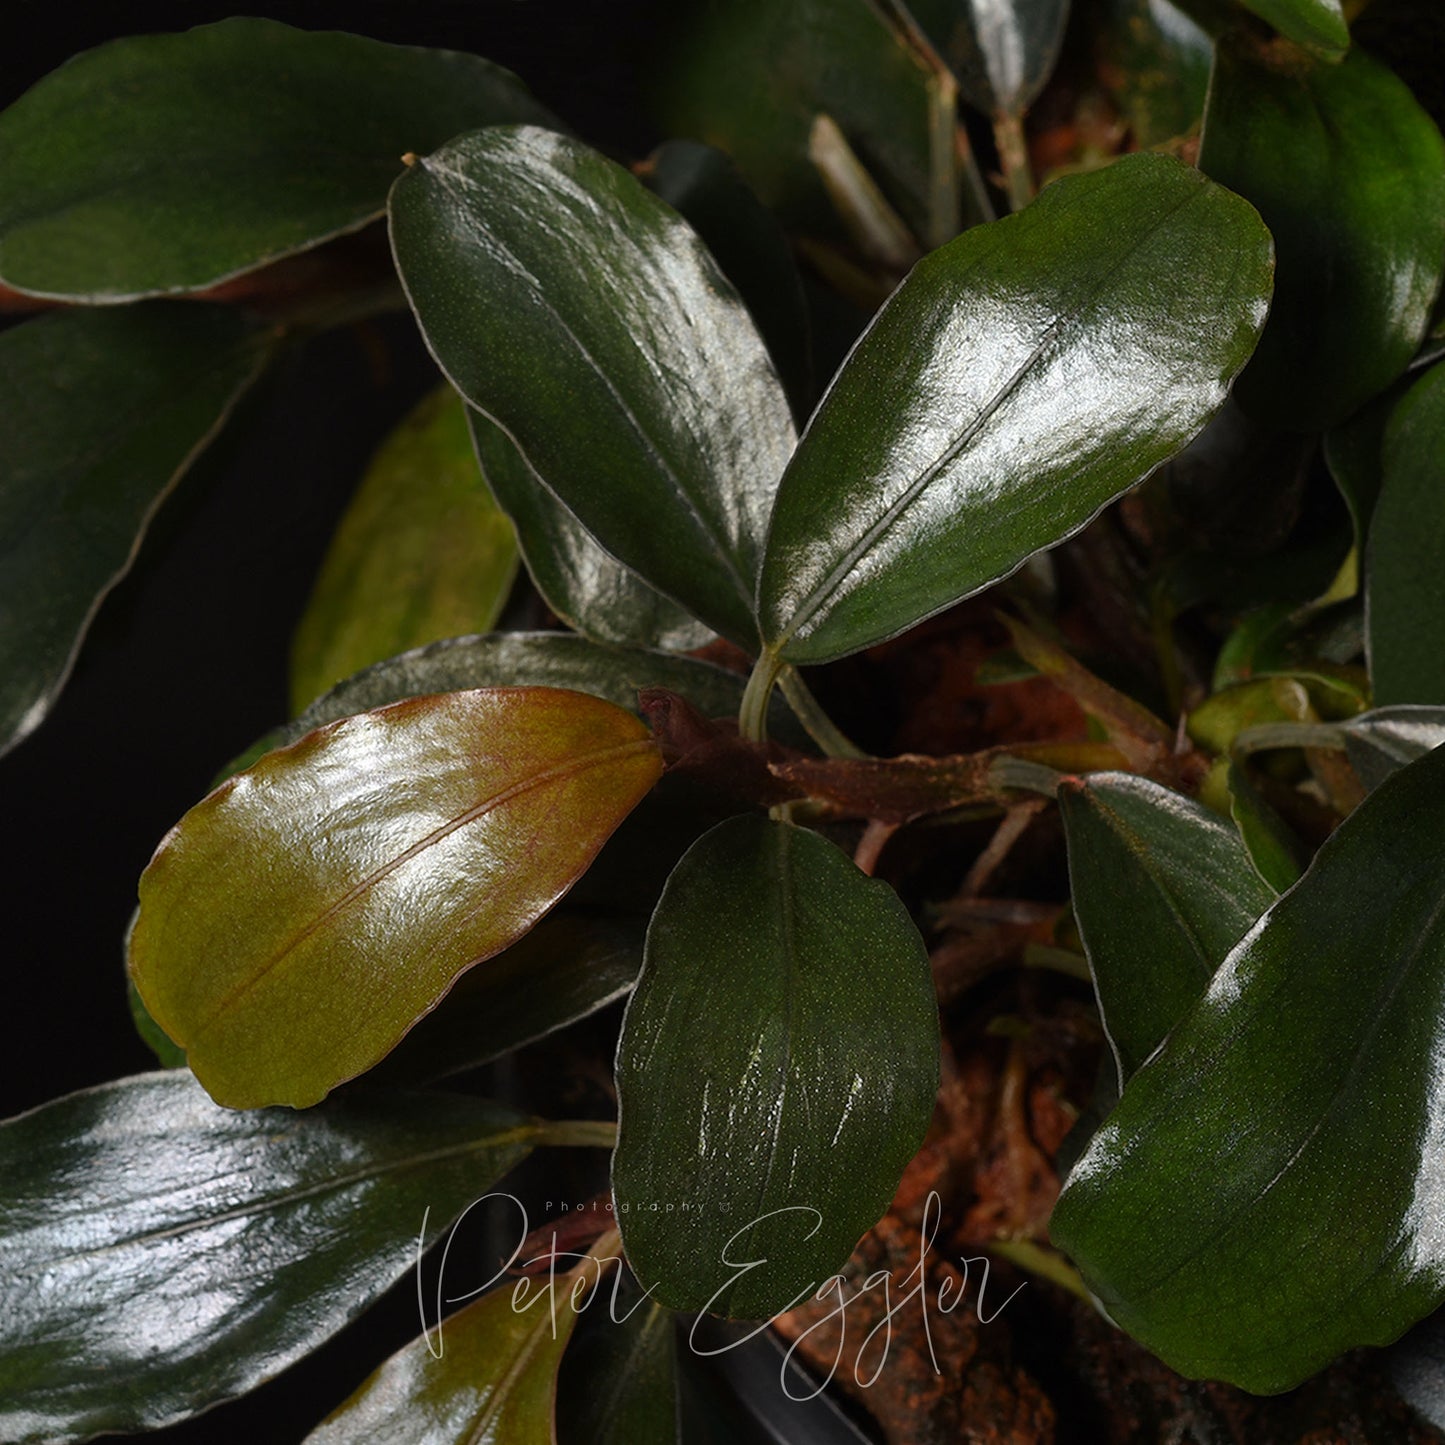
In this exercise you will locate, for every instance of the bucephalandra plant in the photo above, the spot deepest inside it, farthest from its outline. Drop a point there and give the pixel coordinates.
(468, 839)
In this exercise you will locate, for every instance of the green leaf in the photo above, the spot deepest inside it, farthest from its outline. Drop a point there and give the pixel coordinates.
(1359, 247)
(1268, 1192)
(707, 190)
(586, 318)
(1022, 377)
(1002, 51)
(776, 1070)
(494, 1384)
(589, 589)
(1162, 889)
(751, 77)
(570, 965)
(1405, 584)
(1318, 25)
(152, 1034)
(421, 553)
(1155, 63)
(1386, 739)
(619, 1379)
(531, 659)
(172, 162)
(302, 917)
(158, 1254)
(104, 412)
(1277, 854)
(1353, 453)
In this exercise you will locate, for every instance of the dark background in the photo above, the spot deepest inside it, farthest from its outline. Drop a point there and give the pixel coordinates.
(186, 662)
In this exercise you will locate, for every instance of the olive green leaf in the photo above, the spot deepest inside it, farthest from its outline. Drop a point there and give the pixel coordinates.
(589, 589)
(1318, 25)
(158, 1253)
(1162, 890)
(103, 413)
(421, 553)
(1277, 854)
(1155, 63)
(302, 917)
(1404, 581)
(1360, 258)
(1021, 378)
(776, 1070)
(171, 162)
(1268, 1192)
(585, 317)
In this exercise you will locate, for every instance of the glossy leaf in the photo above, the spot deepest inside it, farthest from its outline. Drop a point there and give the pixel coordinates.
(1277, 854)
(530, 659)
(1385, 739)
(1002, 51)
(707, 190)
(1155, 63)
(1405, 584)
(171, 162)
(1303, 1090)
(104, 411)
(1359, 243)
(570, 965)
(776, 1070)
(495, 1383)
(1318, 25)
(751, 78)
(1162, 889)
(1021, 378)
(579, 312)
(421, 553)
(299, 920)
(619, 1379)
(158, 1253)
(589, 589)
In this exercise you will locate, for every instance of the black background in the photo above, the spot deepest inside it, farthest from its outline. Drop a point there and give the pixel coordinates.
(186, 663)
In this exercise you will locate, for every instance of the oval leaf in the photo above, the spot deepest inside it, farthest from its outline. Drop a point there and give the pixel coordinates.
(1022, 377)
(776, 1070)
(586, 318)
(1001, 50)
(495, 1382)
(290, 137)
(1162, 889)
(421, 553)
(1318, 25)
(1304, 1088)
(1405, 584)
(159, 1254)
(297, 922)
(104, 411)
(589, 589)
(1359, 250)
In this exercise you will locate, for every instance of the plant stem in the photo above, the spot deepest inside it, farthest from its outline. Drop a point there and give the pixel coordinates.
(753, 715)
(1044, 1263)
(820, 727)
(579, 1133)
(1013, 157)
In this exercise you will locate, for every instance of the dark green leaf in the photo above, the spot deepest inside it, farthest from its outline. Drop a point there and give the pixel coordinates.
(1405, 582)
(619, 1377)
(171, 162)
(1163, 889)
(769, 1086)
(1386, 739)
(1156, 65)
(1021, 378)
(1359, 242)
(158, 1253)
(707, 190)
(1268, 1192)
(587, 588)
(751, 77)
(570, 965)
(1353, 452)
(103, 412)
(585, 317)
(1001, 50)
(495, 1382)
(301, 918)
(1318, 25)
(421, 553)
(1277, 854)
